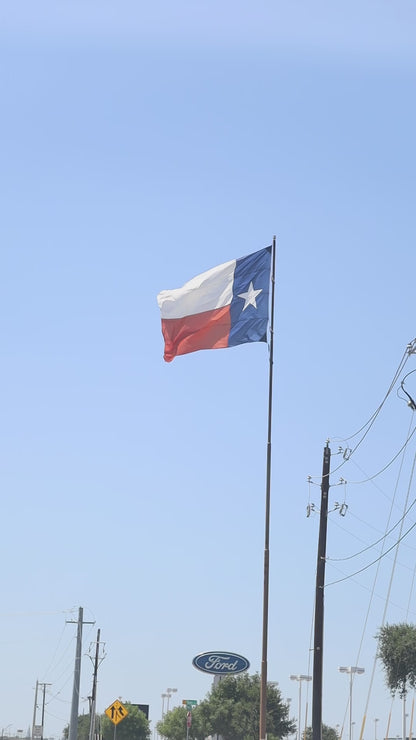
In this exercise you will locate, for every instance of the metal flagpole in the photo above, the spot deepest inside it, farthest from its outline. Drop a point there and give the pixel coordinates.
(263, 679)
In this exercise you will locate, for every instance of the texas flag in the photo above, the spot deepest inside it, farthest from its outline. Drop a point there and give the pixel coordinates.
(222, 307)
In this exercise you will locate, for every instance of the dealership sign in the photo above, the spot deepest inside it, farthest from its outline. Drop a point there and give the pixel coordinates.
(221, 664)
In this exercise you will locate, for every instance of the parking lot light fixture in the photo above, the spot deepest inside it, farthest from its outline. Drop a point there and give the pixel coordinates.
(351, 670)
(300, 677)
(169, 693)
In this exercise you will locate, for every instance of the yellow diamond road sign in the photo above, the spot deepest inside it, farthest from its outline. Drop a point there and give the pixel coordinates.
(116, 712)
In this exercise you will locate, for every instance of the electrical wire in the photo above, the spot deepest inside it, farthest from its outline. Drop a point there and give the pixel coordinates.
(367, 480)
(410, 402)
(364, 431)
(378, 561)
(388, 590)
(51, 665)
(373, 417)
(377, 595)
(377, 542)
(369, 424)
(366, 567)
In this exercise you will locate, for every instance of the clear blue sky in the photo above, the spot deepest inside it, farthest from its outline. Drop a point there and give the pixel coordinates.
(143, 143)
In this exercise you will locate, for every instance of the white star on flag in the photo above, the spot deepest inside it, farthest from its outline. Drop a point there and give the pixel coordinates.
(250, 296)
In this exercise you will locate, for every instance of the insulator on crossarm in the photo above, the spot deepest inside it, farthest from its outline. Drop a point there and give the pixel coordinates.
(309, 509)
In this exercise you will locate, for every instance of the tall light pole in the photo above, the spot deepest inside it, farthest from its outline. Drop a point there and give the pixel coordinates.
(288, 702)
(163, 696)
(404, 717)
(375, 727)
(169, 693)
(300, 677)
(351, 670)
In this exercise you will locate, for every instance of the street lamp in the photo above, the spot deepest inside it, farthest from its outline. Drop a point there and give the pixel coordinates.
(164, 696)
(300, 677)
(351, 670)
(169, 693)
(375, 727)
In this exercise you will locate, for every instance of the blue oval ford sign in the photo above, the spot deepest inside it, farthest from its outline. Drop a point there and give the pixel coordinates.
(220, 663)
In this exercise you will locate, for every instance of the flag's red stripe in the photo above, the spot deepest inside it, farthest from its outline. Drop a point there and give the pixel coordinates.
(207, 330)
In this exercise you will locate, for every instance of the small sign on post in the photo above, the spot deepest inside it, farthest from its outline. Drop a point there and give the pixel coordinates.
(116, 712)
(189, 703)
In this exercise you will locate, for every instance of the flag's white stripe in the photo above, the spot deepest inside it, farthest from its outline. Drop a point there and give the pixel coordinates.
(212, 289)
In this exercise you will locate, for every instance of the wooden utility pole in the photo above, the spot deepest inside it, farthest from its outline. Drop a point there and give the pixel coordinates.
(319, 602)
(43, 707)
(93, 698)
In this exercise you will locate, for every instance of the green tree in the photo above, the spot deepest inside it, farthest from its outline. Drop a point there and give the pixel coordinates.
(232, 709)
(397, 652)
(83, 727)
(173, 725)
(328, 733)
(133, 727)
